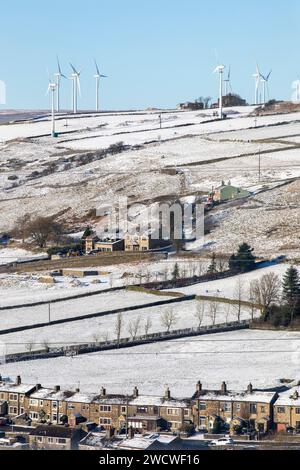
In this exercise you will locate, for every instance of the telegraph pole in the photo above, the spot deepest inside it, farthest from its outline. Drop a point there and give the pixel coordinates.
(259, 166)
(49, 312)
(160, 123)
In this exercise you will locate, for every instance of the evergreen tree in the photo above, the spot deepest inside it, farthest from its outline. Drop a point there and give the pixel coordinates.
(291, 290)
(175, 273)
(212, 269)
(87, 233)
(243, 261)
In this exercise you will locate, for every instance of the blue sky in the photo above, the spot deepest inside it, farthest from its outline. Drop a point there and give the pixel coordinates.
(156, 52)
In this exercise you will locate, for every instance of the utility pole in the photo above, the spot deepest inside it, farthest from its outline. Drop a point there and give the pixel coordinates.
(259, 166)
(126, 423)
(160, 123)
(49, 312)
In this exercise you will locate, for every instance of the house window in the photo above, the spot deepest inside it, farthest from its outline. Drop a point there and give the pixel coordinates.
(263, 409)
(40, 439)
(202, 422)
(227, 407)
(281, 409)
(61, 441)
(104, 421)
(253, 408)
(297, 411)
(54, 404)
(41, 403)
(34, 416)
(173, 411)
(54, 417)
(202, 405)
(50, 440)
(186, 412)
(123, 409)
(33, 402)
(13, 410)
(105, 408)
(71, 406)
(2, 396)
(13, 397)
(238, 406)
(85, 407)
(142, 409)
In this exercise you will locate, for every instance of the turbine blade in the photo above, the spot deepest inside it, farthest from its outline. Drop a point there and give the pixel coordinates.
(73, 68)
(97, 68)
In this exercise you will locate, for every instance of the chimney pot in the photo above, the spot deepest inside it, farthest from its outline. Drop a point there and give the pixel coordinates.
(199, 386)
(224, 388)
(167, 394)
(103, 392)
(135, 392)
(57, 388)
(250, 388)
(18, 380)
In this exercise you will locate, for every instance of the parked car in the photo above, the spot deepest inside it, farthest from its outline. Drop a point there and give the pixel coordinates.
(224, 441)
(3, 421)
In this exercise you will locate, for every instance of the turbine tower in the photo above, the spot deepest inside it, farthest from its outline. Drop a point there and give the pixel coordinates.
(51, 89)
(265, 81)
(58, 75)
(256, 77)
(75, 77)
(98, 77)
(220, 70)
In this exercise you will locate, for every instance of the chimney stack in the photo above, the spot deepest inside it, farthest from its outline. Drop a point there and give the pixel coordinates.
(38, 387)
(77, 390)
(167, 394)
(18, 380)
(199, 387)
(103, 392)
(250, 388)
(57, 388)
(135, 392)
(224, 388)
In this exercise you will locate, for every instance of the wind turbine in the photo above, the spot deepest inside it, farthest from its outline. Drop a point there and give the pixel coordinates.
(220, 70)
(98, 77)
(75, 87)
(58, 75)
(228, 82)
(256, 77)
(265, 81)
(51, 89)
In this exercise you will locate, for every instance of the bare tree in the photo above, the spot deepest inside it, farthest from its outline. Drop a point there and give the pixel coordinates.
(96, 338)
(239, 292)
(42, 229)
(227, 314)
(105, 337)
(148, 325)
(213, 311)
(29, 346)
(20, 229)
(118, 327)
(266, 291)
(200, 312)
(168, 319)
(46, 345)
(133, 327)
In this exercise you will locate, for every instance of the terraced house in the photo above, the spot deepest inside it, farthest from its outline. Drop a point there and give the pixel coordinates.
(252, 406)
(13, 397)
(254, 409)
(287, 410)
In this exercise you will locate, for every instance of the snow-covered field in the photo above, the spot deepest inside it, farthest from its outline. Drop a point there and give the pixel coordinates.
(227, 288)
(264, 358)
(12, 255)
(103, 328)
(73, 308)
